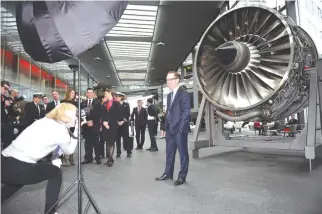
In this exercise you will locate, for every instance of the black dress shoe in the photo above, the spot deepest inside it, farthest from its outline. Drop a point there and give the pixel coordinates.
(98, 161)
(154, 150)
(118, 155)
(129, 155)
(163, 178)
(149, 149)
(87, 161)
(179, 181)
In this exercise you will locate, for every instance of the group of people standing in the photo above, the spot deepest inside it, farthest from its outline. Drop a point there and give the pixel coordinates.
(108, 123)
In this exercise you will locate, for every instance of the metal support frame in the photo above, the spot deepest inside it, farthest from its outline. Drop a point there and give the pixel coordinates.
(74, 80)
(308, 141)
(79, 180)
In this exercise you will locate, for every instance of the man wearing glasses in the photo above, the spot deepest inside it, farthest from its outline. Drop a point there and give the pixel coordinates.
(177, 129)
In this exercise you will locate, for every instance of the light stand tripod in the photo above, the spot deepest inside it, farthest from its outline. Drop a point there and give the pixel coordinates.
(79, 180)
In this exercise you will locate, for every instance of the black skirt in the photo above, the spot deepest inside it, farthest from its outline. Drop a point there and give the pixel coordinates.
(162, 126)
(109, 135)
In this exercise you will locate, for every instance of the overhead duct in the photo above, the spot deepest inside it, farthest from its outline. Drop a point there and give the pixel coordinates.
(251, 62)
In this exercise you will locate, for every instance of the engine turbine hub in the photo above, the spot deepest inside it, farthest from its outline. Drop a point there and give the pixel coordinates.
(250, 62)
(233, 56)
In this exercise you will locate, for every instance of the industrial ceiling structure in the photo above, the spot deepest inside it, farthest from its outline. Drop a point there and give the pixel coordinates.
(151, 38)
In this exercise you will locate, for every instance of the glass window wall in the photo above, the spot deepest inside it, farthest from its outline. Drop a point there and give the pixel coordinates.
(29, 77)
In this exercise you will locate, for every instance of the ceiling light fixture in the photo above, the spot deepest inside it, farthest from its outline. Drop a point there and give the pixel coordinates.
(108, 76)
(97, 58)
(160, 44)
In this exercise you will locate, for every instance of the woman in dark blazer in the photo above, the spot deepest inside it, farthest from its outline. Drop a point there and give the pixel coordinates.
(70, 97)
(111, 119)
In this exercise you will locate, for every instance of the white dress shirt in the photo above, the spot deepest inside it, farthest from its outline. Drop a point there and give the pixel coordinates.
(56, 102)
(174, 93)
(39, 139)
(90, 100)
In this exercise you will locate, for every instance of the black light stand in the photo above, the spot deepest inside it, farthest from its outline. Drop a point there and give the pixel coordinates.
(79, 180)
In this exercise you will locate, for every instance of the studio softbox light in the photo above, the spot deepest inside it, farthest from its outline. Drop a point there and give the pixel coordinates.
(52, 31)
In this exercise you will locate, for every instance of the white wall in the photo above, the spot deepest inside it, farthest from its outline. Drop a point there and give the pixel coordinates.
(310, 19)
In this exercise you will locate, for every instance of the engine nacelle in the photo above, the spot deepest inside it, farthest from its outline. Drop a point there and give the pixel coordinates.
(251, 62)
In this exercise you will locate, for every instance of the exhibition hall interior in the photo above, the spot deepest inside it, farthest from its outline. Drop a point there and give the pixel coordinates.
(252, 72)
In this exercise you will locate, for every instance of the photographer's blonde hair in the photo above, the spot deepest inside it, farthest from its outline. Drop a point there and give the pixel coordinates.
(58, 113)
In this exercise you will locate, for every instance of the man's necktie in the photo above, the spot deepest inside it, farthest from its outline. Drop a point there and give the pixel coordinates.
(171, 98)
(139, 109)
(89, 103)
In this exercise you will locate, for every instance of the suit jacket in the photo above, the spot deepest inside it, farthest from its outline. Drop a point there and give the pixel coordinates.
(95, 116)
(32, 113)
(178, 113)
(50, 106)
(112, 116)
(125, 110)
(140, 119)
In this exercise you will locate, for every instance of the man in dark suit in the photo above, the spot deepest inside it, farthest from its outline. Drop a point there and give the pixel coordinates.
(91, 130)
(152, 120)
(33, 110)
(50, 106)
(123, 130)
(141, 117)
(177, 129)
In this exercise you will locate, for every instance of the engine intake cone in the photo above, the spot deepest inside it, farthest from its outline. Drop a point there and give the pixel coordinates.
(233, 56)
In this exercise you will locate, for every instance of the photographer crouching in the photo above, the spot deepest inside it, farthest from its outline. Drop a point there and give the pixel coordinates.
(19, 160)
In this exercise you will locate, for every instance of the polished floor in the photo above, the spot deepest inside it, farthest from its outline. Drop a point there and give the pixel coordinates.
(222, 181)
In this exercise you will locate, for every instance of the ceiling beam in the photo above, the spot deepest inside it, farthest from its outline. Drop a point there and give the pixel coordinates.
(133, 80)
(152, 3)
(129, 38)
(131, 71)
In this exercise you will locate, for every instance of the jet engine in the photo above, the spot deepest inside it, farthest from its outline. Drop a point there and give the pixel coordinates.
(252, 62)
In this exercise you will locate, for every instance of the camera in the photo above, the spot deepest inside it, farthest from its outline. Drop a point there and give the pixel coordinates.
(21, 98)
(85, 112)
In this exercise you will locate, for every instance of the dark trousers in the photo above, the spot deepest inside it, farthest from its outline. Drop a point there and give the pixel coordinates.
(7, 136)
(152, 133)
(156, 127)
(176, 141)
(15, 174)
(140, 131)
(92, 141)
(123, 132)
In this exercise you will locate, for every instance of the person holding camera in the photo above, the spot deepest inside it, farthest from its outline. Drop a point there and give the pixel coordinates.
(20, 164)
(91, 129)
(7, 122)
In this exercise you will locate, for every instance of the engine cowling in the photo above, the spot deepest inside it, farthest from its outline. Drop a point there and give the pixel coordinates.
(250, 61)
